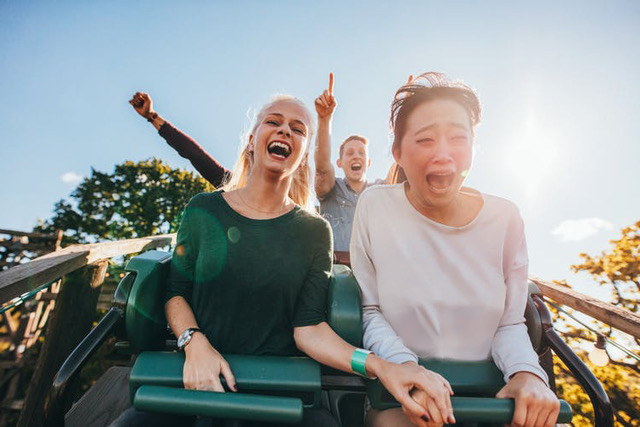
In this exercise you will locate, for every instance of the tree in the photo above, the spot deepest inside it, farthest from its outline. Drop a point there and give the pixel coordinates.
(136, 200)
(619, 270)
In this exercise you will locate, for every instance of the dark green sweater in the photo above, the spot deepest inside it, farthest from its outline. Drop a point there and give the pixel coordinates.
(250, 282)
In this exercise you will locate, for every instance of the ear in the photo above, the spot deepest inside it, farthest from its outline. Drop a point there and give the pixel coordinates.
(369, 163)
(396, 154)
(338, 162)
(250, 145)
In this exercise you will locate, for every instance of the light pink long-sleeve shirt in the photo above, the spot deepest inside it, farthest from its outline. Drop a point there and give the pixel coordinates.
(431, 290)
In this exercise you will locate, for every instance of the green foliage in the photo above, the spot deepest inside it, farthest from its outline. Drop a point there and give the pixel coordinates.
(621, 383)
(619, 270)
(136, 200)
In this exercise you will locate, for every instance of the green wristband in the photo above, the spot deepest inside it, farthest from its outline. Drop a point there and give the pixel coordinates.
(358, 359)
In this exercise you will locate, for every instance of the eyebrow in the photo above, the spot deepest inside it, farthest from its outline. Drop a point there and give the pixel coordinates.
(431, 126)
(282, 116)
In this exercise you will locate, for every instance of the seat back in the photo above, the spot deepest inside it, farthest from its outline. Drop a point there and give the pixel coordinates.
(533, 321)
(344, 313)
(146, 324)
(145, 321)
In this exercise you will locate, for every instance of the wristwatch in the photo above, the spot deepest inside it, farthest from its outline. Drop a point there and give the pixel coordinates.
(185, 337)
(152, 117)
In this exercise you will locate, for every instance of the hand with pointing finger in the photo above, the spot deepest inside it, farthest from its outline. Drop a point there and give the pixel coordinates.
(326, 103)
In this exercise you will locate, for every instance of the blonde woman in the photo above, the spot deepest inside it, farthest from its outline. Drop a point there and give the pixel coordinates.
(251, 269)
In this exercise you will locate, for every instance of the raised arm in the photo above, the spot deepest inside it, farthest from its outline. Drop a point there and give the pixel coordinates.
(186, 146)
(325, 173)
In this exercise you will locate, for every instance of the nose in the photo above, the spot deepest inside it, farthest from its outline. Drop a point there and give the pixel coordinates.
(443, 152)
(284, 131)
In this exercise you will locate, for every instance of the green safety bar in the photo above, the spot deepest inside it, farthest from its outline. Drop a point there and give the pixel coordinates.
(221, 405)
(471, 382)
(294, 375)
(155, 384)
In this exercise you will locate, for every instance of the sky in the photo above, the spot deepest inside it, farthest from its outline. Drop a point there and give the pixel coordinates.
(557, 81)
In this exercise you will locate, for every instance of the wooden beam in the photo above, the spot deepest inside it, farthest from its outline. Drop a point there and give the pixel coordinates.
(70, 321)
(25, 277)
(52, 236)
(12, 327)
(617, 317)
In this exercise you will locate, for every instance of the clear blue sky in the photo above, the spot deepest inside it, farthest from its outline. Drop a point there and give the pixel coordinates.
(558, 82)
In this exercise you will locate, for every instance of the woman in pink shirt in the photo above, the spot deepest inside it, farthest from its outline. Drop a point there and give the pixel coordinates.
(442, 267)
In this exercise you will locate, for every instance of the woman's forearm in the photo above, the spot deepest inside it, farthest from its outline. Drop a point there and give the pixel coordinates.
(321, 343)
(179, 315)
(380, 337)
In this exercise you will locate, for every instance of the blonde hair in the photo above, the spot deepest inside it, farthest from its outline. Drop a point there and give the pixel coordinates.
(300, 190)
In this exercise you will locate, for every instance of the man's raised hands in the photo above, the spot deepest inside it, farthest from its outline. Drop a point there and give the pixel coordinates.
(326, 103)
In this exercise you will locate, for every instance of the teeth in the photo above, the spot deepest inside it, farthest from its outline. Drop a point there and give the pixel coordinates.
(440, 182)
(275, 144)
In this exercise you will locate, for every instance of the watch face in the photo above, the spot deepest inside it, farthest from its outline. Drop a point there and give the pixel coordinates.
(184, 337)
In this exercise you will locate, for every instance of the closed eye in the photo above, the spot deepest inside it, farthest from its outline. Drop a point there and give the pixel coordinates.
(459, 138)
(299, 131)
(425, 140)
(272, 122)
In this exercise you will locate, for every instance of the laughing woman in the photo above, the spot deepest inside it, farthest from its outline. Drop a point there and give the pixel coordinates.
(450, 280)
(251, 269)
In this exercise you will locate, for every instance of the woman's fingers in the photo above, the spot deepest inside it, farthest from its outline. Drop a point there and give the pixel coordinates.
(553, 416)
(449, 391)
(215, 384)
(225, 370)
(439, 391)
(330, 84)
(445, 383)
(410, 407)
(535, 403)
(435, 416)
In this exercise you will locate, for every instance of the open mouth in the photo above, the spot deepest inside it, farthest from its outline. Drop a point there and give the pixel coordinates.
(440, 182)
(279, 149)
(356, 167)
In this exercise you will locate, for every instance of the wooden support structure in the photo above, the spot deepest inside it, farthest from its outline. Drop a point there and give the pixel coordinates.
(617, 317)
(26, 277)
(69, 316)
(22, 244)
(71, 321)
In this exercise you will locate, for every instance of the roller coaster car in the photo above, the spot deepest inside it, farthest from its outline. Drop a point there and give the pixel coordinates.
(276, 389)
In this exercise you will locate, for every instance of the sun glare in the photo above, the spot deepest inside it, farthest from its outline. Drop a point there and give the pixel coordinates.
(531, 156)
